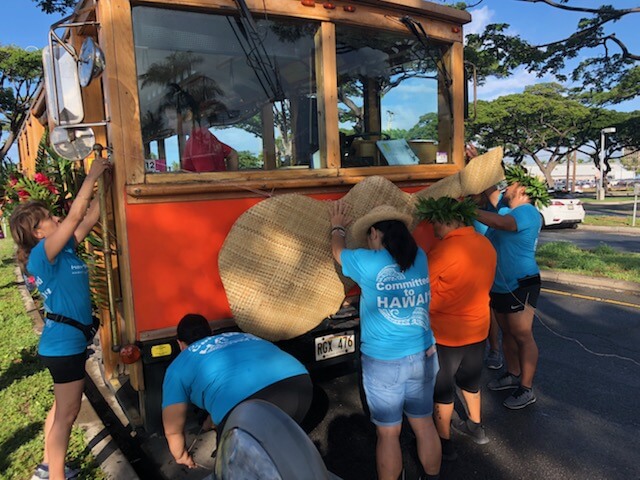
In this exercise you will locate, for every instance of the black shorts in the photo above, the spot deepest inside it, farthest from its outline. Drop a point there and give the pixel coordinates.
(66, 369)
(461, 366)
(515, 301)
(292, 395)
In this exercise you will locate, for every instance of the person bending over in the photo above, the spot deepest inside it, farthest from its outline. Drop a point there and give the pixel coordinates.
(217, 372)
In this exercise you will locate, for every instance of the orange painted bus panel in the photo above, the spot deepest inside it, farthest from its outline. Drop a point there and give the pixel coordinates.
(173, 250)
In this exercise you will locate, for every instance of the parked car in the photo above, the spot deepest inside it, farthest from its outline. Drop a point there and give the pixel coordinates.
(564, 209)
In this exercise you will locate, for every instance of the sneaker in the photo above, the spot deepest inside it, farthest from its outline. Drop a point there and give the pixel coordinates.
(494, 360)
(522, 397)
(449, 453)
(42, 471)
(473, 430)
(504, 382)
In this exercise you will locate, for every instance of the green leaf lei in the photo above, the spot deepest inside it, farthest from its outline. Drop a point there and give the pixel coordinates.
(535, 188)
(446, 210)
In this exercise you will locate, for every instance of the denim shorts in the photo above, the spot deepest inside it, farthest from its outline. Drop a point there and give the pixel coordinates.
(396, 386)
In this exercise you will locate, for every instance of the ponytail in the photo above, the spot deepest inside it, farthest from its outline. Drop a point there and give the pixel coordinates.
(398, 241)
(22, 223)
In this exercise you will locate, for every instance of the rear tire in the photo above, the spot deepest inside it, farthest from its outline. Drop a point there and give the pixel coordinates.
(574, 225)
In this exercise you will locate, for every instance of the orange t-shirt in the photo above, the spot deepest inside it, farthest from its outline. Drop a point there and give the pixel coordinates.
(461, 270)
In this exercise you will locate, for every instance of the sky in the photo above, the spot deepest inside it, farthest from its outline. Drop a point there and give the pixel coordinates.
(23, 24)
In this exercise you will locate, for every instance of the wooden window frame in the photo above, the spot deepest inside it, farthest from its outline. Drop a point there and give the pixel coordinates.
(121, 92)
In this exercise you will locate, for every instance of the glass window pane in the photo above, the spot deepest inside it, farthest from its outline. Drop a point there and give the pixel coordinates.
(387, 98)
(215, 97)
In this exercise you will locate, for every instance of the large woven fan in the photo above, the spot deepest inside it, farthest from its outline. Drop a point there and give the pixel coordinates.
(276, 263)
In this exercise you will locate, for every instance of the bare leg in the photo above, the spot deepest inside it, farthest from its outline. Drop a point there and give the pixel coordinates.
(388, 453)
(68, 397)
(473, 405)
(428, 443)
(509, 345)
(521, 330)
(47, 428)
(442, 413)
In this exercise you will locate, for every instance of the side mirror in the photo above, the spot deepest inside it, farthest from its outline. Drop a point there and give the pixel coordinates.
(62, 86)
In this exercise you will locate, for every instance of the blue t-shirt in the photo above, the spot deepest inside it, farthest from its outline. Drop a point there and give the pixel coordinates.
(64, 286)
(394, 305)
(217, 373)
(516, 250)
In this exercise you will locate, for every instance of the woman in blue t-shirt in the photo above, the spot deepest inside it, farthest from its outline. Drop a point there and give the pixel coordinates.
(514, 295)
(397, 345)
(46, 249)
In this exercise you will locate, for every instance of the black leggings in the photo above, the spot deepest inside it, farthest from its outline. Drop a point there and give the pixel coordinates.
(292, 395)
(461, 366)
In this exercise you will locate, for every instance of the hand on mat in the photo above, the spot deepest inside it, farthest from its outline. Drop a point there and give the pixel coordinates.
(338, 211)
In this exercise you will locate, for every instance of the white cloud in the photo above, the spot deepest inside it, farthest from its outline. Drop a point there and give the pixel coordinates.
(480, 18)
(497, 87)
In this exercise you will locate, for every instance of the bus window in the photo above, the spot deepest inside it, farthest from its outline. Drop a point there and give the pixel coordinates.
(387, 95)
(215, 98)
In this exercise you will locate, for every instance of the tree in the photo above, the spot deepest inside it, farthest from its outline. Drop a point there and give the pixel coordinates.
(541, 123)
(20, 73)
(55, 6)
(626, 139)
(426, 128)
(608, 69)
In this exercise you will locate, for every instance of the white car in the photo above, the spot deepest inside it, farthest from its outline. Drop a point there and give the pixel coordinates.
(564, 209)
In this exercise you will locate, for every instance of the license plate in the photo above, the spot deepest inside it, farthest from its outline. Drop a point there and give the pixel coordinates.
(335, 345)
(570, 206)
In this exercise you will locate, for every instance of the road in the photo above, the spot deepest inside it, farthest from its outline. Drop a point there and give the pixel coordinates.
(622, 209)
(583, 426)
(589, 239)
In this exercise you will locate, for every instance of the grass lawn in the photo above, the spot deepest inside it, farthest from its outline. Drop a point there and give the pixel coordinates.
(604, 261)
(611, 221)
(610, 199)
(26, 389)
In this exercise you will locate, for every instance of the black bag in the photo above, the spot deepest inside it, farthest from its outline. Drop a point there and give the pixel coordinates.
(89, 331)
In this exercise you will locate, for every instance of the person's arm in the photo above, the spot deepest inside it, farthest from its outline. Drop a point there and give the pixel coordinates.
(173, 419)
(496, 221)
(89, 221)
(492, 194)
(67, 228)
(339, 221)
(233, 160)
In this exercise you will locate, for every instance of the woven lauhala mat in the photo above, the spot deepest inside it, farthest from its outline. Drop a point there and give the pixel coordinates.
(276, 263)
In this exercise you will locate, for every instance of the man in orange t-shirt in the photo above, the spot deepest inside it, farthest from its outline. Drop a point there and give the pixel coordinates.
(461, 271)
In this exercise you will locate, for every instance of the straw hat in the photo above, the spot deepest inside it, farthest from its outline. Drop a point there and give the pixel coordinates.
(380, 213)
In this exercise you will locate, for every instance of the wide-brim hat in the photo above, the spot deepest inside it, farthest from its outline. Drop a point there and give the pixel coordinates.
(361, 227)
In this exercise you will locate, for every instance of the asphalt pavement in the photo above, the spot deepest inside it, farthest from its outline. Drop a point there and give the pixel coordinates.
(588, 238)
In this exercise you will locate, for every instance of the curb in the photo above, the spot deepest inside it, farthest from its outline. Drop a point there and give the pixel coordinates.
(103, 448)
(625, 230)
(593, 282)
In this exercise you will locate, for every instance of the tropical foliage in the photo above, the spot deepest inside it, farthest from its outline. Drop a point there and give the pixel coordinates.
(20, 73)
